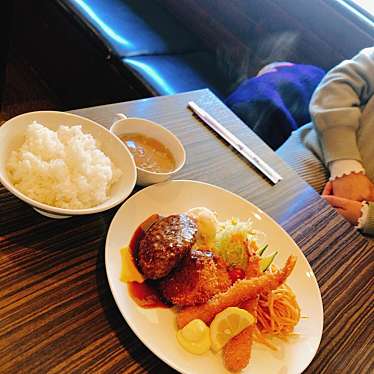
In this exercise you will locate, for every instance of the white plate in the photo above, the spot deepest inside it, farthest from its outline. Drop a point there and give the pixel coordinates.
(156, 327)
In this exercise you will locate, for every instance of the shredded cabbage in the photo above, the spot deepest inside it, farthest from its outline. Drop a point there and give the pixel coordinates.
(232, 240)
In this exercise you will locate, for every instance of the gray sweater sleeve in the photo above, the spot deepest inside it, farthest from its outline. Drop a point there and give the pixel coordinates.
(336, 105)
(369, 224)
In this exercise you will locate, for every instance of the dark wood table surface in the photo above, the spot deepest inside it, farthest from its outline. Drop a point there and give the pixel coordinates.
(57, 313)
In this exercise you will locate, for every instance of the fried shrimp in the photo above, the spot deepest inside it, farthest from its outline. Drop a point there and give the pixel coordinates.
(239, 292)
(237, 352)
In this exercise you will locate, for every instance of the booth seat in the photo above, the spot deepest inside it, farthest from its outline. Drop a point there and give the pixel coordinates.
(150, 44)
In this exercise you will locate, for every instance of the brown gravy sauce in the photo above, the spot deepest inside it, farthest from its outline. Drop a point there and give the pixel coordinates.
(149, 154)
(144, 294)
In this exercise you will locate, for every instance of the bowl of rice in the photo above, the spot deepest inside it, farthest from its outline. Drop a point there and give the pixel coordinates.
(63, 164)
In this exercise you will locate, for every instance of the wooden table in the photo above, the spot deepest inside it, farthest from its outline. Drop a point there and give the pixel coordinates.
(57, 313)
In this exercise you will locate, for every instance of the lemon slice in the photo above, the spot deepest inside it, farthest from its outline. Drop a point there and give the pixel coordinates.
(227, 324)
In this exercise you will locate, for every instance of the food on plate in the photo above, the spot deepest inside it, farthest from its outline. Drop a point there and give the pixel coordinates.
(228, 324)
(239, 292)
(265, 262)
(278, 313)
(195, 337)
(63, 168)
(233, 239)
(149, 154)
(130, 272)
(200, 276)
(165, 244)
(237, 351)
(207, 226)
(146, 295)
(218, 278)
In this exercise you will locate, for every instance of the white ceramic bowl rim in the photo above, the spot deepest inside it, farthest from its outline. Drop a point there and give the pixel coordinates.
(55, 209)
(162, 128)
(65, 211)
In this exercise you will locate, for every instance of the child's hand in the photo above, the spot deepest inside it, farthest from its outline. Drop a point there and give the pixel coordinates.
(349, 209)
(355, 186)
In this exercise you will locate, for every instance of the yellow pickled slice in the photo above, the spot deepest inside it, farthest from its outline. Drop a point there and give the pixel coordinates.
(129, 272)
(227, 324)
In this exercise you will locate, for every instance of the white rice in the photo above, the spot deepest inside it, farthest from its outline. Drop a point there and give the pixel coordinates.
(63, 168)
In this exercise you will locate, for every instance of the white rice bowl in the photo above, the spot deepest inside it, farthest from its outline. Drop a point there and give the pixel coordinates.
(63, 168)
(89, 173)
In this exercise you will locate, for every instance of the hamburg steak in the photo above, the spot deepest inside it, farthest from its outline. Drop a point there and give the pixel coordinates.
(165, 243)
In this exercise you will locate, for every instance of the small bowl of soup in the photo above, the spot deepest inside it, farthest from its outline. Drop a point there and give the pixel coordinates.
(157, 152)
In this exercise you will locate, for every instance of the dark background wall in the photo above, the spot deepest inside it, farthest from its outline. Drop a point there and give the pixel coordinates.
(247, 34)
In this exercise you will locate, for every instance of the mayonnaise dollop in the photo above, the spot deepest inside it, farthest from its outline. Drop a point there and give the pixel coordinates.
(195, 337)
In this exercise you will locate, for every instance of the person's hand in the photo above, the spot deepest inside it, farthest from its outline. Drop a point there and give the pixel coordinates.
(349, 209)
(355, 186)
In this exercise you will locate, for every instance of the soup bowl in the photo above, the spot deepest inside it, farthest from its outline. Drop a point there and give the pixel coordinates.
(140, 126)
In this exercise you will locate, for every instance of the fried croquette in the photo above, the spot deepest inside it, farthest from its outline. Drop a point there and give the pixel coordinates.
(198, 278)
(165, 244)
(239, 292)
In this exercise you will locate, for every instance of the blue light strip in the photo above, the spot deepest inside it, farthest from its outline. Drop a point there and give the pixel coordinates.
(106, 29)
